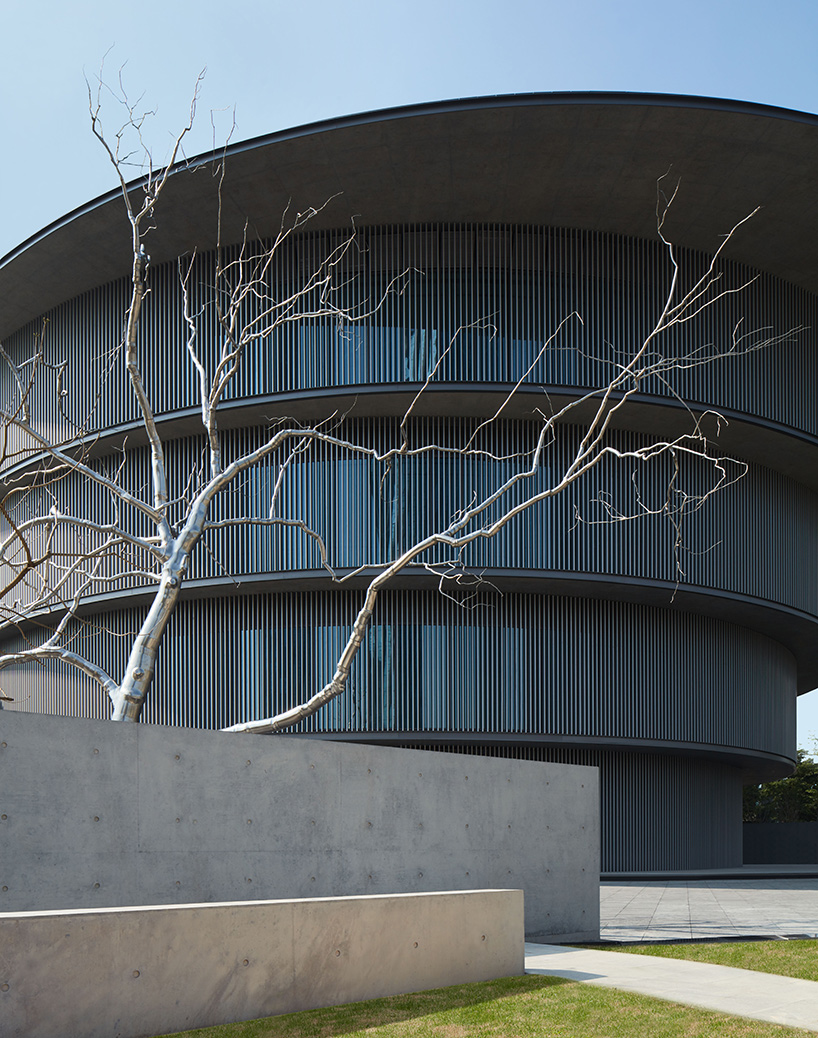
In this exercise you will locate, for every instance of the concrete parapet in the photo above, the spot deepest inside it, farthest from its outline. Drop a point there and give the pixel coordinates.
(135, 972)
(97, 814)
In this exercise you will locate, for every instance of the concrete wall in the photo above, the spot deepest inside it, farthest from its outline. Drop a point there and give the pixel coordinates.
(97, 814)
(145, 971)
(781, 843)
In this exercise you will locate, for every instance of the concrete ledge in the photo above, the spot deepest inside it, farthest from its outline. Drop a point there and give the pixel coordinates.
(136, 972)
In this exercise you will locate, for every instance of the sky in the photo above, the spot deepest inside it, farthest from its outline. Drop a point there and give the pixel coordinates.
(279, 65)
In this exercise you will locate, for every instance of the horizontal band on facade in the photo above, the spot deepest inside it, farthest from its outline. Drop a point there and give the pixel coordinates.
(560, 321)
(525, 664)
(751, 438)
(796, 630)
(756, 765)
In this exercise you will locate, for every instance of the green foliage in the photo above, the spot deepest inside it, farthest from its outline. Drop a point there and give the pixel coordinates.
(785, 958)
(793, 799)
(516, 1007)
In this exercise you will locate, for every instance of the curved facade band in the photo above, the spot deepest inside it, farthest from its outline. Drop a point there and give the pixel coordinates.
(677, 698)
(474, 302)
(432, 666)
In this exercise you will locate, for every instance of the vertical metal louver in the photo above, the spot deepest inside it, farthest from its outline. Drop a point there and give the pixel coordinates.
(477, 301)
(497, 292)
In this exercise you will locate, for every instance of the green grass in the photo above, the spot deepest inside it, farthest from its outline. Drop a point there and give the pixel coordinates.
(516, 1007)
(787, 958)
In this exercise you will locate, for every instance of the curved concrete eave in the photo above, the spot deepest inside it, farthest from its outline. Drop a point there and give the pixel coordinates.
(589, 161)
(754, 765)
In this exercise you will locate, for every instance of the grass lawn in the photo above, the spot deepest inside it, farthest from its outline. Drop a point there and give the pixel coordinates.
(787, 958)
(516, 1007)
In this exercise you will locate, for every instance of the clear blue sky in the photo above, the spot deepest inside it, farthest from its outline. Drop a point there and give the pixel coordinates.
(283, 64)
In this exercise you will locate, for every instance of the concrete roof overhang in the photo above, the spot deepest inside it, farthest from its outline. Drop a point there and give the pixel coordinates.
(587, 161)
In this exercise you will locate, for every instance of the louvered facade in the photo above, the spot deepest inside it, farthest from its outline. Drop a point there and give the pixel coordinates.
(670, 662)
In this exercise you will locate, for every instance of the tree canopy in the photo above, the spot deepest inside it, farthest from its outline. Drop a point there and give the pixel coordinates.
(793, 799)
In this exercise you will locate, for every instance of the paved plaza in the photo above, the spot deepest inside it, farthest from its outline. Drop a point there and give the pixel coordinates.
(703, 909)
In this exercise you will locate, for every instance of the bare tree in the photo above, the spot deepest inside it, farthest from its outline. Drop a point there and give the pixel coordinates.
(152, 536)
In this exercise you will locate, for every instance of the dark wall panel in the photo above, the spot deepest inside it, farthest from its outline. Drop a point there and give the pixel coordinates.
(781, 843)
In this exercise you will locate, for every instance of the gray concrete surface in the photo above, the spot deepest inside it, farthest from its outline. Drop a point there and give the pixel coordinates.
(517, 159)
(760, 996)
(134, 972)
(703, 909)
(95, 814)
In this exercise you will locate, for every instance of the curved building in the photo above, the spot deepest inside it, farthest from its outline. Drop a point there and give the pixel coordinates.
(675, 670)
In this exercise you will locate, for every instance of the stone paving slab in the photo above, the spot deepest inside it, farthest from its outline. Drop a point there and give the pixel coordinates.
(709, 909)
(760, 996)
